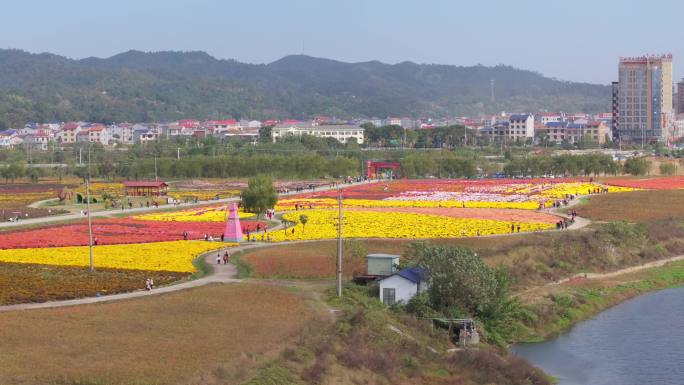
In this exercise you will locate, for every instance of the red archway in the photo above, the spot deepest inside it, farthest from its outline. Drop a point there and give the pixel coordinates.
(372, 167)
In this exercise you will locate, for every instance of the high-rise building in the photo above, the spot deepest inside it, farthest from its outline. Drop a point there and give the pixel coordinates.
(680, 97)
(644, 105)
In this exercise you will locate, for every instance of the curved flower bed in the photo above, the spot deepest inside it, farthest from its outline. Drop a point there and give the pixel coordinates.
(113, 231)
(174, 256)
(322, 224)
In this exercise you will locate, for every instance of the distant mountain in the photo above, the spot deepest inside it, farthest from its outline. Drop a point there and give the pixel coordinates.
(142, 86)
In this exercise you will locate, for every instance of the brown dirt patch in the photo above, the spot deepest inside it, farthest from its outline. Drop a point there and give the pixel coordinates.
(213, 334)
(637, 206)
(507, 215)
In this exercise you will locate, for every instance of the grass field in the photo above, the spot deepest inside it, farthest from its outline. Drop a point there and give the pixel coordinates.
(21, 283)
(637, 206)
(210, 335)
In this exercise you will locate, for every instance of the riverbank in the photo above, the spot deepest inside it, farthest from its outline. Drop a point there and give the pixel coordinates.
(559, 307)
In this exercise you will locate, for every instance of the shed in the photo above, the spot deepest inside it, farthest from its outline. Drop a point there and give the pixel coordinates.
(402, 286)
(141, 188)
(382, 264)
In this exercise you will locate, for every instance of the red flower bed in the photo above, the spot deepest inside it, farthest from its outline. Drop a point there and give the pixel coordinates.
(664, 183)
(113, 231)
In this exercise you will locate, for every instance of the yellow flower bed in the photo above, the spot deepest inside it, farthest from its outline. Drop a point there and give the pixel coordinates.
(288, 204)
(560, 190)
(27, 197)
(159, 256)
(114, 189)
(322, 224)
(206, 214)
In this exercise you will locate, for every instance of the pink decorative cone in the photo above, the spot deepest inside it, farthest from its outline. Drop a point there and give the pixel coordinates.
(233, 231)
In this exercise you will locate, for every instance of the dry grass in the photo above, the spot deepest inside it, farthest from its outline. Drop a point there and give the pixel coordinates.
(20, 283)
(637, 206)
(209, 335)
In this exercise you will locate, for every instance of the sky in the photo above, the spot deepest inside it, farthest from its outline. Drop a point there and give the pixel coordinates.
(577, 40)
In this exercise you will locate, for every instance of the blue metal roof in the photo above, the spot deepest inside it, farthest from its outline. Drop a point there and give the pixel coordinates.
(556, 124)
(576, 125)
(519, 117)
(414, 274)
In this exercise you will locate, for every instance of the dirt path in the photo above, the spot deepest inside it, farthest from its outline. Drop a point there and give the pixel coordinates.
(597, 276)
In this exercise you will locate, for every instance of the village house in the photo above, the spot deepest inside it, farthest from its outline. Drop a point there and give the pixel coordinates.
(401, 286)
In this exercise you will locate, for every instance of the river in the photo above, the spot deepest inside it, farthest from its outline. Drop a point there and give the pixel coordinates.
(640, 341)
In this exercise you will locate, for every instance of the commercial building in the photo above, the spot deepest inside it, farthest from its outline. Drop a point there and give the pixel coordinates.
(644, 98)
(343, 133)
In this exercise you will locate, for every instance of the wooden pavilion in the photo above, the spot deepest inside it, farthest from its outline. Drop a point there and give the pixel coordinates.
(142, 188)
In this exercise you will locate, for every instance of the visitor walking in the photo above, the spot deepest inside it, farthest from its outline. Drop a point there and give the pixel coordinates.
(218, 259)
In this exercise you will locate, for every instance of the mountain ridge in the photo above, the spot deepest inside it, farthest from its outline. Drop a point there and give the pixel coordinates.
(167, 85)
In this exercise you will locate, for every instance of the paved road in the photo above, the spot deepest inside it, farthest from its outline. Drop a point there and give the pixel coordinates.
(139, 210)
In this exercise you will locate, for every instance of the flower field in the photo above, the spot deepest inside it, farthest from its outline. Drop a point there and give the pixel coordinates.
(176, 256)
(21, 283)
(204, 214)
(113, 231)
(505, 194)
(662, 183)
(15, 199)
(322, 224)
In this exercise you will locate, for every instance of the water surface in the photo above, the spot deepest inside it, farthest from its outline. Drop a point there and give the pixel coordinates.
(640, 341)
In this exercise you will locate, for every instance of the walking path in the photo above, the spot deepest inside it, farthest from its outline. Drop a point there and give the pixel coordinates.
(225, 273)
(595, 276)
(137, 210)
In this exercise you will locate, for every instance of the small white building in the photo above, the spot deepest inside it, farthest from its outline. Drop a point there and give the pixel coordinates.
(343, 133)
(402, 286)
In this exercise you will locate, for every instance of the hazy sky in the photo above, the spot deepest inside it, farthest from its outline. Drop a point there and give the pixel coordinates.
(577, 40)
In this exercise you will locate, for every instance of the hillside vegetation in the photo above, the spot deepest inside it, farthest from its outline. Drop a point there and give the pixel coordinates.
(139, 86)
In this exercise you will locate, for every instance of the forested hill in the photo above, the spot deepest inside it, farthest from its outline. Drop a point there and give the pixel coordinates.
(139, 86)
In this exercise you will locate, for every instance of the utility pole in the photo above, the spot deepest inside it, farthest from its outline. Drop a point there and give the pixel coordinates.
(155, 168)
(178, 153)
(339, 244)
(80, 159)
(90, 226)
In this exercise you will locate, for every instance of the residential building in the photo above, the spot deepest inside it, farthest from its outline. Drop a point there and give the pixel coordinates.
(400, 287)
(37, 141)
(678, 131)
(343, 133)
(518, 127)
(644, 107)
(594, 131)
(555, 131)
(222, 126)
(547, 117)
(9, 138)
(98, 134)
(121, 133)
(143, 135)
(679, 105)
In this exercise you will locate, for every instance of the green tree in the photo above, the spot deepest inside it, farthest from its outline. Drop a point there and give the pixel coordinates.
(637, 166)
(14, 171)
(459, 280)
(668, 169)
(260, 195)
(303, 218)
